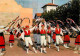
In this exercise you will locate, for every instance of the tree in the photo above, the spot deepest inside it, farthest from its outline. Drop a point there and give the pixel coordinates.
(68, 10)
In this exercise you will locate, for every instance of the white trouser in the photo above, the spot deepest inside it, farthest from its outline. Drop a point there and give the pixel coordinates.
(58, 39)
(43, 41)
(28, 41)
(49, 39)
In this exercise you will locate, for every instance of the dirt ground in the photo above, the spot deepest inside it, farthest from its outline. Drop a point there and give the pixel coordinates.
(17, 51)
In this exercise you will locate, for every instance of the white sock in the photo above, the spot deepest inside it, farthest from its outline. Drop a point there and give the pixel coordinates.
(45, 50)
(27, 50)
(55, 45)
(1, 52)
(57, 48)
(34, 50)
(41, 50)
(49, 46)
(10, 44)
(64, 45)
(75, 47)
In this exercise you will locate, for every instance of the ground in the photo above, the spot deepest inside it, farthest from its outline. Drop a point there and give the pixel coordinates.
(17, 51)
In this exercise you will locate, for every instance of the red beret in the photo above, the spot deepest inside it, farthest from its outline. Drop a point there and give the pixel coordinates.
(57, 25)
(48, 27)
(27, 26)
(42, 25)
(24, 28)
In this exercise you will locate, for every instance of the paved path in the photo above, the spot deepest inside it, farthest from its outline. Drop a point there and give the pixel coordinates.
(17, 51)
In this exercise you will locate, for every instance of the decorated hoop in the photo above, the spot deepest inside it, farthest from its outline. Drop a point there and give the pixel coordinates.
(60, 22)
(18, 22)
(71, 21)
(51, 21)
(24, 19)
(12, 22)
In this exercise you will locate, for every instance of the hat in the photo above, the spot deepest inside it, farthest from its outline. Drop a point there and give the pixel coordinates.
(42, 25)
(49, 27)
(27, 26)
(8, 30)
(24, 28)
(57, 25)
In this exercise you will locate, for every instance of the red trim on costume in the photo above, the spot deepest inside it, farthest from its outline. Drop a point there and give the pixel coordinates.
(42, 31)
(2, 42)
(77, 41)
(27, 33)
(48, 32)
(57, 31)
(11, 39)
(66, 39)
(54, 37)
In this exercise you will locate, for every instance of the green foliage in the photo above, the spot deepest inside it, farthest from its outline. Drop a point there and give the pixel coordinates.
(71, 10)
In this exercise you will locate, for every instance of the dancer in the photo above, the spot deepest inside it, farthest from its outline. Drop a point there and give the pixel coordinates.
(66, 37)
(58, 32)
(11, 39)
(2, 40)
(27, 38)
(77, 42)
(42, 29)
(49, 35)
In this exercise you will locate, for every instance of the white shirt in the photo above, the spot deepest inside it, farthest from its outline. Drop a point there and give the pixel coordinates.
(58, 30)
(44, 25)
(22, 34)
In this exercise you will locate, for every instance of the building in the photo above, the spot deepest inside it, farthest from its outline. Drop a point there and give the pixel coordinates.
(49, 6)
(9, 10)
(37, 15)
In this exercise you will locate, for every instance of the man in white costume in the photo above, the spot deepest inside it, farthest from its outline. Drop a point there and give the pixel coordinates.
(26, 37)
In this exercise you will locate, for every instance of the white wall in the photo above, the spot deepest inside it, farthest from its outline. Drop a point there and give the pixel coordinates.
(51, 7)
(48, 8)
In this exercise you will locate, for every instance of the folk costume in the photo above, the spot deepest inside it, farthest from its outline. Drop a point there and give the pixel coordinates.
(11, 39)
(49, 36)
(2, 40)
(27, 38)
(66, 37)
(42, 29)
(37, 36)
(58, 32)
(77, 42)
(66, 40)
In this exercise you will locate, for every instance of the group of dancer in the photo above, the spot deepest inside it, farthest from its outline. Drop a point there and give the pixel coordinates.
(44, 33)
